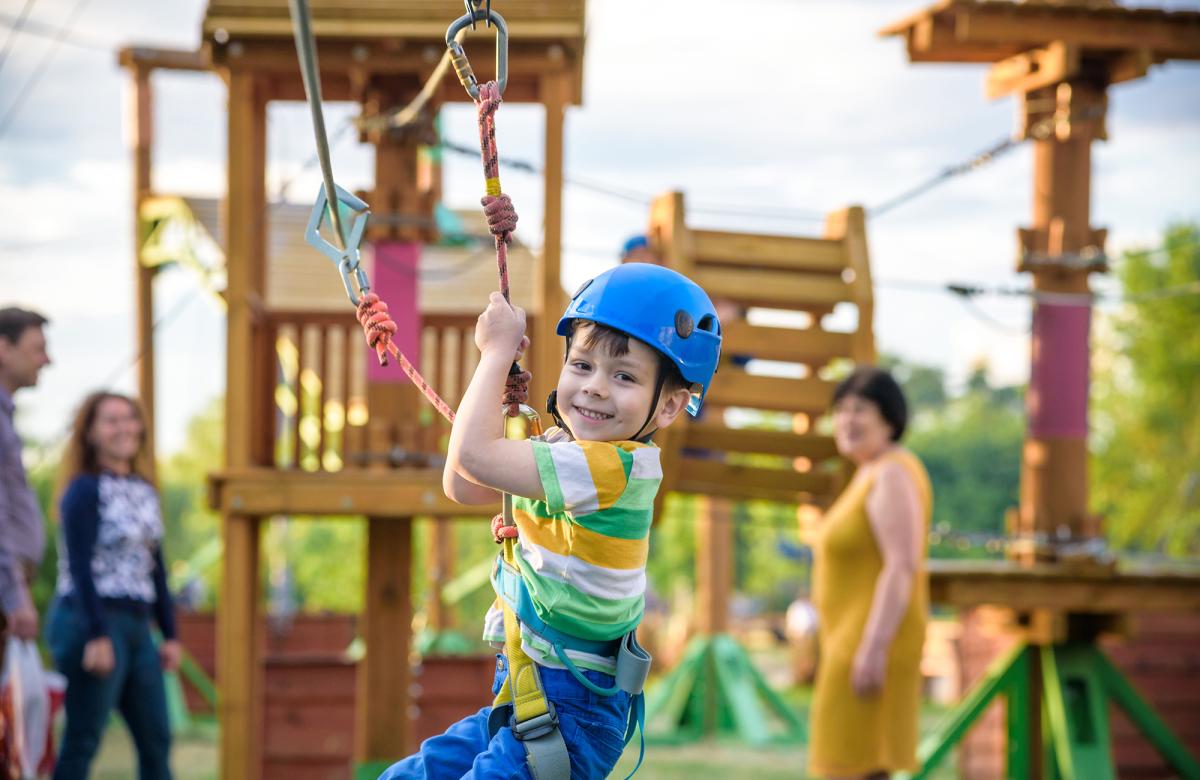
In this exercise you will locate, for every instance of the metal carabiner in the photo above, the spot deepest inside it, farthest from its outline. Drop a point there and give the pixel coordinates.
(458, 55)
(345, 257)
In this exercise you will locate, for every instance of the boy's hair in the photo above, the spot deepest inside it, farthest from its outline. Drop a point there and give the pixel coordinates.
(15, 321)
(616, 344)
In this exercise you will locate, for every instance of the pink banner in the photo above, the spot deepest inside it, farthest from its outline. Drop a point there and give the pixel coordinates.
(1058, 381)
(395, 282)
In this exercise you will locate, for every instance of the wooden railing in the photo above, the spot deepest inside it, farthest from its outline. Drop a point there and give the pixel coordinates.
(322, 401)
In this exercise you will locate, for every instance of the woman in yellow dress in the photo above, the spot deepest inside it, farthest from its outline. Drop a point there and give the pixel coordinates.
(870, 590)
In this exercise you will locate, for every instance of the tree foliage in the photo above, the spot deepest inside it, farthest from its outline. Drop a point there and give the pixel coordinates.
(1146, 401)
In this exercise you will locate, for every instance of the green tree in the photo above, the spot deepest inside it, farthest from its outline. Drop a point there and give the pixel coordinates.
(1146, 396)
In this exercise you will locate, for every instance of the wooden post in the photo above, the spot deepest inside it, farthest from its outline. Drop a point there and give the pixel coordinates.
(1055, 249)
(382, 728)
(441, 553)
(549, 300)
(849, 225)
(714, 563)
(142, 125)
(238, 664)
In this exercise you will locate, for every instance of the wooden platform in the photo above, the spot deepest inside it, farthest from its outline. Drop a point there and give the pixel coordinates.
(394, 493)
(965, 584)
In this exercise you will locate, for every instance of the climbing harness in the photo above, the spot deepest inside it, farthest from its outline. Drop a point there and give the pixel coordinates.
(522, 704)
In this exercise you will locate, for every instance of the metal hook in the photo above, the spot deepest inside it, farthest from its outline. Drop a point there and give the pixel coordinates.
(458, 55)
(472, 7)
(346, 257)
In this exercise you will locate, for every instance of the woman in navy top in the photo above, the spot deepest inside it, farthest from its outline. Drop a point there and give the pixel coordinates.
(111, 581)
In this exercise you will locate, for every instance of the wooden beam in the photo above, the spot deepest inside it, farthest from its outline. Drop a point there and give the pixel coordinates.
(699, 475)
(382, 727)
(379, 28)
(713, 436)
(142, 124)
(239, 671)
(398, 493)
(163, 59)
(245, 257)
(782, 289)
(751, 250)
(967, 584)
(737, 388)
(813, 347)
(1057, 62)
(849, 225)
(549, 299)
(714, 564)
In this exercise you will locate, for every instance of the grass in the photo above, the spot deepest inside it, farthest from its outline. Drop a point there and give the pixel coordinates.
(194, 757)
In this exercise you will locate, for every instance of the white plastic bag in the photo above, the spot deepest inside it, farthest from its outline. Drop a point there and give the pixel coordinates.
(31, 702)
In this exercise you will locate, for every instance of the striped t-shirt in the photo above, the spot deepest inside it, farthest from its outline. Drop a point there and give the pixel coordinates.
(582, 552)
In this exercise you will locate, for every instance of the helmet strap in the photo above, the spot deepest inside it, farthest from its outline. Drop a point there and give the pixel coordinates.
(552, 407)
(659, 381)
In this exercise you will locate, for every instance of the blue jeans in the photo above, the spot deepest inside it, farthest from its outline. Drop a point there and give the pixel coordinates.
(134, 687)
(592, 726)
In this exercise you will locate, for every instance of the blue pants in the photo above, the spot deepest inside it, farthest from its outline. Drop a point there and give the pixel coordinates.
(134, 687)
(592, 726)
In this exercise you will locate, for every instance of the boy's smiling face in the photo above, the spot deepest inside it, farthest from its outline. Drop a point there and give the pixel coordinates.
(604, 396)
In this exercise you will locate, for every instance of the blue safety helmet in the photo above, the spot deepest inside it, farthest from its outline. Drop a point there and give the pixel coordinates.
(660, 307)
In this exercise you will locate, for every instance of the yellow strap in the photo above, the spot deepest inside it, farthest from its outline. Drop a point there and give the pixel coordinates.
(493, 186)
(528, 700)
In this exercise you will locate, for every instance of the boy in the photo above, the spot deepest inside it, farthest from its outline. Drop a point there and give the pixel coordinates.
(643, 343)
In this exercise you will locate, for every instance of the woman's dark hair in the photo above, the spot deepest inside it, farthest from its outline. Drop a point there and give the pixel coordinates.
(880, 388)
(81, 456)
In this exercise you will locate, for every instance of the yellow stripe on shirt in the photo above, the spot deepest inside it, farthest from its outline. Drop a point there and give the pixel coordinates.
(566, 538)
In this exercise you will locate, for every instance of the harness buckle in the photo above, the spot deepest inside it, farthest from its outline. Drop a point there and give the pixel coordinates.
(537, 727)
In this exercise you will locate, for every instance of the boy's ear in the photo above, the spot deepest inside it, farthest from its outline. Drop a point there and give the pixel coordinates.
(671, 406)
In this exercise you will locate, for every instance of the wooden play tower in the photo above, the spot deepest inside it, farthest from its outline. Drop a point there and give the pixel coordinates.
(800, 280)
(1058, 59)
(333, 458)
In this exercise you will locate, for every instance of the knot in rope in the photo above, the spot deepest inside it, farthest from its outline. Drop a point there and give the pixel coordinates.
(501, 216)
(500, 531)
(378, 326)
(516, 392)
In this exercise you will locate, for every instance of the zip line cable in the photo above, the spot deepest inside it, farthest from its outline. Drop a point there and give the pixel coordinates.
(15, 30)
(39, 30)
(31, 83)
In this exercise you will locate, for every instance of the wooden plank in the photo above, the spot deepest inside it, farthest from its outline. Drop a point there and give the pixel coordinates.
(772, 288)
(812, 347)
(382, 725)
(1175, 36)
(737, 388)
(698, 475)
(396, 493)
(712, 436)
(763, 251)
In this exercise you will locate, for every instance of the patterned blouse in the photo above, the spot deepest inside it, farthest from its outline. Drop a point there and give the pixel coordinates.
(110, 550)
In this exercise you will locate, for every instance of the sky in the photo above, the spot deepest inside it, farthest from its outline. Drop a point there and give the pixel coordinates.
(779, 110)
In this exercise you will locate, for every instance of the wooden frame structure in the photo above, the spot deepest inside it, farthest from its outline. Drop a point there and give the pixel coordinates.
(1058, 59)
(795, 278)
(376, 54)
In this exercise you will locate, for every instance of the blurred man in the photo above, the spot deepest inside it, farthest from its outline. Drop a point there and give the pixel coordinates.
(22, 537)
